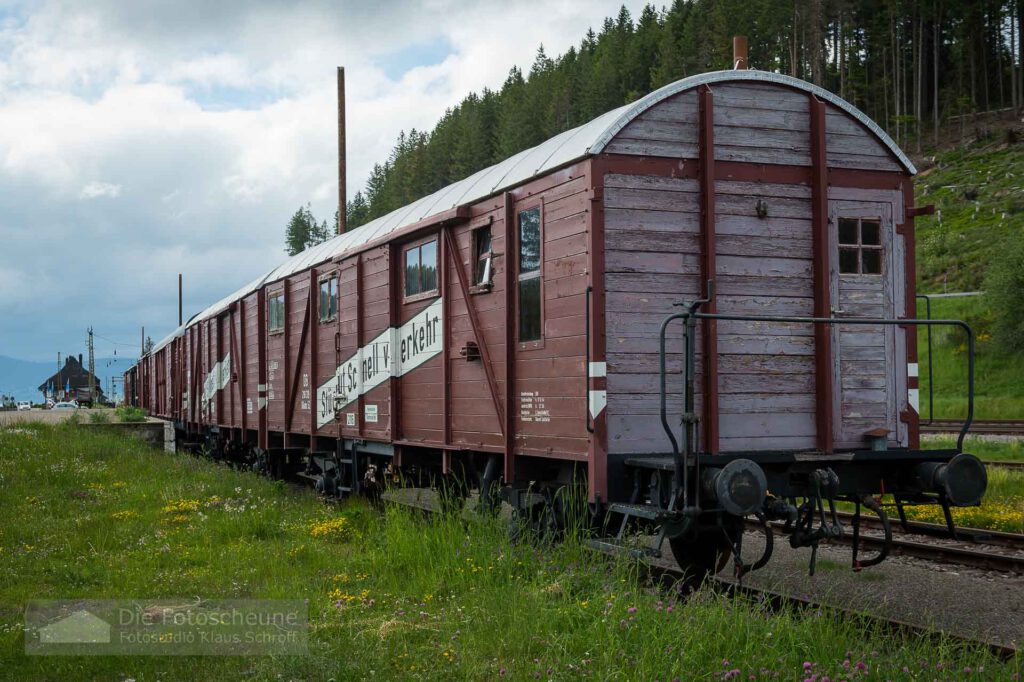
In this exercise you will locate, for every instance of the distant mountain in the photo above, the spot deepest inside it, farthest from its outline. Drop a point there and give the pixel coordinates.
(22, 377)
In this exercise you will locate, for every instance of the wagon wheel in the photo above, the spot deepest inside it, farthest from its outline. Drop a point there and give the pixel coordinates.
(703, 551)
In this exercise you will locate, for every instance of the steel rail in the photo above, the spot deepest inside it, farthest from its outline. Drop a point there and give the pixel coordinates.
(1012, 466)
(981, 536)
(929, 551)
(994, 427)
(670, 576)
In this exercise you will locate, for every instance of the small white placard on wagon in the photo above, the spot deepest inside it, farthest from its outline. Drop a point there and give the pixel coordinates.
(370, 413)
(350, 419)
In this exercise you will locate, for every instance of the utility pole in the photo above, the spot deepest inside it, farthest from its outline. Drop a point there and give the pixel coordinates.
(92, 370)
(342, 170)
(179, 300)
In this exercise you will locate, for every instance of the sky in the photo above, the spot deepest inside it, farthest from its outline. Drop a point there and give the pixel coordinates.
(142, 139)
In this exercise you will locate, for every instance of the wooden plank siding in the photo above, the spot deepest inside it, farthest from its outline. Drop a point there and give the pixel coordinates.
(850, 145)
(652, 233)
(766, 385)
(764, 265)
(761, 124)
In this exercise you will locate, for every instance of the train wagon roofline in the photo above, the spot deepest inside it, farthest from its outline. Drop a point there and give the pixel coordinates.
(559, 151)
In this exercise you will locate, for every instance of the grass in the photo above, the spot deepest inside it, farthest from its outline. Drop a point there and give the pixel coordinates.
(984, 449)
(126, 413)
(392, 595)
(99, 417)
(979, 205)
(999, 375)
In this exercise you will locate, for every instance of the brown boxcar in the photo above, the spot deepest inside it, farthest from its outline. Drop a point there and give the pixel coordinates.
(517, 327)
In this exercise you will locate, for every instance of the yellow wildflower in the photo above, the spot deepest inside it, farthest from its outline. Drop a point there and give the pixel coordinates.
(337, 528)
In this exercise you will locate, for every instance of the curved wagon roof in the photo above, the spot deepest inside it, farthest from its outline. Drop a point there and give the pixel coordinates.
(561, 150)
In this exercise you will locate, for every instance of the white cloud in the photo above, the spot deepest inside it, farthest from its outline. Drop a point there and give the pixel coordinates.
(100, 189)
(210, 123)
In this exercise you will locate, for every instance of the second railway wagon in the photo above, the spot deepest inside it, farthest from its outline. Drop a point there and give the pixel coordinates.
(696, 307)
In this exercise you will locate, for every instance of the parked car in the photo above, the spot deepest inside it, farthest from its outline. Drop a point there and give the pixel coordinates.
(24, 406)
(65, 406)
(50, 403)
(84, 397)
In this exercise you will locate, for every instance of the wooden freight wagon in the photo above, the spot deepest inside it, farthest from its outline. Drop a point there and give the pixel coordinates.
(515, 327)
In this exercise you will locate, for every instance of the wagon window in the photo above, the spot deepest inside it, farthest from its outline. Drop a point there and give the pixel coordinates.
(530, 295)
(482, 253)
(860, 246)
(421, 269)
(275, 312)
(328, 299)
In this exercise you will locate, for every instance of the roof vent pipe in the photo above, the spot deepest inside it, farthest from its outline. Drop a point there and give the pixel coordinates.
(739, 52)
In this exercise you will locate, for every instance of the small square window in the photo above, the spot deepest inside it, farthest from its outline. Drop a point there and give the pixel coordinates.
(871, 262)
(328, 299)
(848, 261)
(482, 256)
(870, 233)
(275, 312)
(428, 267)
(860, 246)
(412, 272)
(848, 231)
(421, 269)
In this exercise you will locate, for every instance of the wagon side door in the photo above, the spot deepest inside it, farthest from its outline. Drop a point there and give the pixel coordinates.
(866, 282)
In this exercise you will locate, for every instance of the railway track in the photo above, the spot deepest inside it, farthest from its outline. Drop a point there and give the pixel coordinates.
(670, 576)
(983, 427)
(959, 552)
(664, 572)
(1005, 464)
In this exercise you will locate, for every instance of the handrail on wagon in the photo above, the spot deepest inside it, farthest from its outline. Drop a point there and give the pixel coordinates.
(931, 383)
(692, 314)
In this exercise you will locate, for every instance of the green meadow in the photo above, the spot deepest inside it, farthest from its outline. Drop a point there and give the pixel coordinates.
(998, 374)
(391, 594)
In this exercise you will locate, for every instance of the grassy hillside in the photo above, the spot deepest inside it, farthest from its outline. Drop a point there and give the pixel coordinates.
(998, 375)
(391, 596)
(978, 192)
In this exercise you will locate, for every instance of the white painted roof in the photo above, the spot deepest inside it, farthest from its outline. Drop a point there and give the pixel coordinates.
(562, 149)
